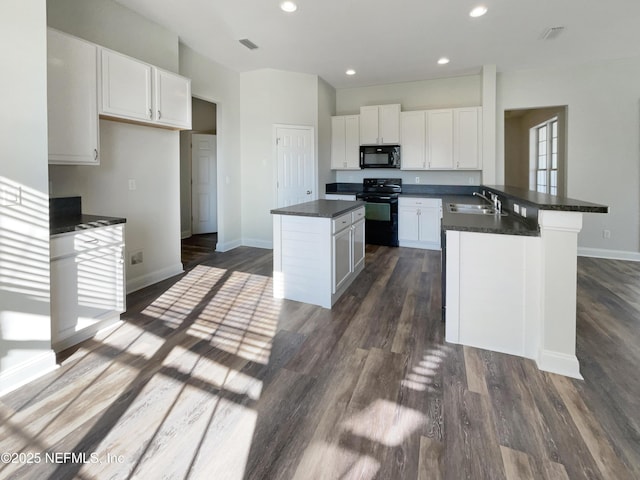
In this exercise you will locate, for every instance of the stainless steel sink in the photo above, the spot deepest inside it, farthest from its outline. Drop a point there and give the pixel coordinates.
(473, 209)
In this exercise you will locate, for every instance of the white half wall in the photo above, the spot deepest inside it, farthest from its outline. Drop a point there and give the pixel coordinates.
(217, 84)
(25, 323)
(603, 140)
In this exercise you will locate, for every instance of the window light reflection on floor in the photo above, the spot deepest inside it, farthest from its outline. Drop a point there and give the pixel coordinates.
(421, 376)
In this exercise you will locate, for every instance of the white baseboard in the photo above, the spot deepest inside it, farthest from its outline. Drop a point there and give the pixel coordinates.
(28, 371)
(611, 254)
(226, 246)
(560, 363)
(185, 234)
(257, 243)
(421, 245)
(147, 279)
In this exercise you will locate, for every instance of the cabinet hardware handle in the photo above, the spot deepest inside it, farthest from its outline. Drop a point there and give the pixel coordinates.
(95, 154)
(159, 115)
(150, 113)
(95, 240)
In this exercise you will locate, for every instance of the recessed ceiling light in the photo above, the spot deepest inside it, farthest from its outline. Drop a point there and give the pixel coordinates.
(288, 7)
(478, 11)
(443, 61)
(351, 71)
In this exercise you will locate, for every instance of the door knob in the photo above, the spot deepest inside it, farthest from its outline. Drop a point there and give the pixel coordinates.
(308, 192)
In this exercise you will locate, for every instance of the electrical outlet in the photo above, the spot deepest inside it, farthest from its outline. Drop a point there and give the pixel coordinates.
(132, 184)
(417, 179)
(136, 257)
(516, 208)
(470, 181)
(523, 212)
(606, 234)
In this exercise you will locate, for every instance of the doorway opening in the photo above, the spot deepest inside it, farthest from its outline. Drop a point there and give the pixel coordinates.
(198, 178)
(535, 146)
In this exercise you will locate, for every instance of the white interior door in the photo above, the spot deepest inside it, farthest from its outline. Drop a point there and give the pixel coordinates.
(296, 165)
(204, 197)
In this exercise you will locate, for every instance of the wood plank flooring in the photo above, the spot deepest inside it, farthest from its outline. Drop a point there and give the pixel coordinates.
(210, 377)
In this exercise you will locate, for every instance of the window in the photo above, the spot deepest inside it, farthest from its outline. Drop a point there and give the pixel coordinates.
(546, 156)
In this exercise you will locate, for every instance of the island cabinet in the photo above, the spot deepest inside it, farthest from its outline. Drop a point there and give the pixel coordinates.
(136, 91)
(419, 222)
(72, 105)
(443, 139)
(317, 257)
(380, 125)
(345, 142)
(87, 283)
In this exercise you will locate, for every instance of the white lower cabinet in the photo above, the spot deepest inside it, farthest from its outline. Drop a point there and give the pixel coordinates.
(87, 283)
(419, 222)
(315, 259)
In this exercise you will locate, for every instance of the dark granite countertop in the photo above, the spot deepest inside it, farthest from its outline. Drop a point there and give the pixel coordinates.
(544, 201)
(73, 223)
(510, 224)
(320, 208)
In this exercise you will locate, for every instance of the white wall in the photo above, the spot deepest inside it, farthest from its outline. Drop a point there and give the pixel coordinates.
(148, 155)
(220, 85)
(268, 97)
(25, 324)
(326, 109)
(603, 142)
(111, 25)
(450, 92)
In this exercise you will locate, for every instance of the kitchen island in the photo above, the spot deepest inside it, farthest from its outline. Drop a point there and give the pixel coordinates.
(318, 250)
(511, 280)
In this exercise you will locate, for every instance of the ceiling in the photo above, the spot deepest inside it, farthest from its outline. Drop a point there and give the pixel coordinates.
(389, 41)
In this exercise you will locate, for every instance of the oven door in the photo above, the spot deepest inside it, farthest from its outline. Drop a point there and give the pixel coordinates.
(381, 215)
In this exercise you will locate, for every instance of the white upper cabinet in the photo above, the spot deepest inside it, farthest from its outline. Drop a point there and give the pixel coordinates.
(72, 83)
(440, 139)
(380, 125)
(173, 99)
(134, 90)
(413, 140)
(345, 142)
(467, 152)
(126, 87)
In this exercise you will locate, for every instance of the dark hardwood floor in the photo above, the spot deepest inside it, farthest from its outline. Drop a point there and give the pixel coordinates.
(210, 377)
(197, 248)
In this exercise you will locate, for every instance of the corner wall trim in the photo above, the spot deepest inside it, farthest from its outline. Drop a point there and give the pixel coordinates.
(560, 363)
(226, 246)
(610, 254)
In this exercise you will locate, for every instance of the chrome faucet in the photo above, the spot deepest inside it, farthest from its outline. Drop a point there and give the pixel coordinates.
(494, 201)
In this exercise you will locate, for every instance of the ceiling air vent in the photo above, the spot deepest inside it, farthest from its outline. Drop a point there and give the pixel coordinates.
(551, 33)
(248, 43)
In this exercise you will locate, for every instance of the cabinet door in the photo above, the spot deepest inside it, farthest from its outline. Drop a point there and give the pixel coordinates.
(173, 99)
(429, 220)
(358, 244)
(126, 87)
(408, 228)
(413, 140)
(342, 264)
(389, 124)
(369, 125)
(352, 142)
(440, 139)
(338, 143)
(72, 103)
(467, 135)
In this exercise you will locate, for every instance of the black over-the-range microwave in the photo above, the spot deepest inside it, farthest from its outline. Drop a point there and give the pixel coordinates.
(380, 156)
